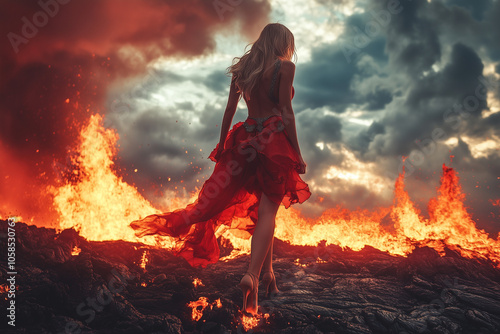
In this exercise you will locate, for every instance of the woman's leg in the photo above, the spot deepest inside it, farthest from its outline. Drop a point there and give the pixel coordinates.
(263, 234)
(268, 261)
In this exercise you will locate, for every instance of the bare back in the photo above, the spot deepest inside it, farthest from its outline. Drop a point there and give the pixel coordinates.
(267, 98)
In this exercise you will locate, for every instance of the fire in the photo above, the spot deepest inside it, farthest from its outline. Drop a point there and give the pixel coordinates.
(3, 289)
(144, 260)
(252, 322)
(297, 262)
(200, 305)
(100, 205)
(197, 282)
(75, 251)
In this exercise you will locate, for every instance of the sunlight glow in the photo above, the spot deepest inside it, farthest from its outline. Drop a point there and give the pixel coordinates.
(357, 172)
(482, 148)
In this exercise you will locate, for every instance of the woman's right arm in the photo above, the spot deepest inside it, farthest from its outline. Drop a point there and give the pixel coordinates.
(285, 98)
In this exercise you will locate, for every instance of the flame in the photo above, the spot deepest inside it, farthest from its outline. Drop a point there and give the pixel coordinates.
(3, 289)
(253, 321)
(144, 260)
(144, 284)
(197, 282)
(75, 251)
(297, 262)
(202, 303)
(100, 205)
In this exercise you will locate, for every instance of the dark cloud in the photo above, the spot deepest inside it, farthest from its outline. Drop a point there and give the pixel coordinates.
(427, 60)
(426, 104)
(477, 9)
(412, 39)
(217, 81)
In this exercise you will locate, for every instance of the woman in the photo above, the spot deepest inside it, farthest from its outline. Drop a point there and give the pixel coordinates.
(257, 168)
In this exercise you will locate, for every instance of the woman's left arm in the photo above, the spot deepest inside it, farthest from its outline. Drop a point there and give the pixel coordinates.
(232, 103)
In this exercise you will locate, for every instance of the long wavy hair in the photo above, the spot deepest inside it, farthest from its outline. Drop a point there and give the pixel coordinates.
(275, 41)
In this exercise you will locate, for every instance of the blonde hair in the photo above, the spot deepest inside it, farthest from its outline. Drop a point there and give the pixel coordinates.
(275, 41)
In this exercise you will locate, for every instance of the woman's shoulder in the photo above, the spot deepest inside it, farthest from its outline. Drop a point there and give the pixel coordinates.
(287, 66)
(287, 63)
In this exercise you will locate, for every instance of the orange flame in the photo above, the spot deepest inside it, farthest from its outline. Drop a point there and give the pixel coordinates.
(252, 322)
(75, 251)
(202, 303)
(197, 282)
(3, 289)
(144, 260)
(100, 205)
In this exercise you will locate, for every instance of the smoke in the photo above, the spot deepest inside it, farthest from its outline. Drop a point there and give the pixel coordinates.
(59, 57)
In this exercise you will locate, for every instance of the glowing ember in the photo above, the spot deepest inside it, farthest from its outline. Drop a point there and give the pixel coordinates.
(197, 282)
(144, 260)
(3, 289)
(252, 322)
(144, 284)
(75, 251)
(200, 305)
(297, 262)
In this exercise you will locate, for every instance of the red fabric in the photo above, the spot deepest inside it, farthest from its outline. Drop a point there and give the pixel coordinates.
(251, 163)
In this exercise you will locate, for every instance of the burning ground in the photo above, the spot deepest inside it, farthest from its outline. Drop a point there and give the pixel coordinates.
(68, 282)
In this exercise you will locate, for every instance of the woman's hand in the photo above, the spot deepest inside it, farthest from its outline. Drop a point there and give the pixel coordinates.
(302, 166)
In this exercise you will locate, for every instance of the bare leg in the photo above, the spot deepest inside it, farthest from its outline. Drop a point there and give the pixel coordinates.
(263, 234)
(262, 240)
(268, 261)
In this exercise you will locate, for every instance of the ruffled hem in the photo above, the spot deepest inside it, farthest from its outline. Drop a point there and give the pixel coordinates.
(250, 164)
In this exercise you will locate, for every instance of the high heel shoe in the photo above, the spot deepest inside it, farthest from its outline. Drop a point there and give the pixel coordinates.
(269, 282)
(249, 285)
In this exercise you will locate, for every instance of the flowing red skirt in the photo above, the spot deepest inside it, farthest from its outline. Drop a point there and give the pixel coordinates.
(257, 158)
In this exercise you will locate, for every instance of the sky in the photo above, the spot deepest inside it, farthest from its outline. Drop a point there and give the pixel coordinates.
(375, 81)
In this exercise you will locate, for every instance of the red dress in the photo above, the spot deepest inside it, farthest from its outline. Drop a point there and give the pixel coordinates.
(257, 158)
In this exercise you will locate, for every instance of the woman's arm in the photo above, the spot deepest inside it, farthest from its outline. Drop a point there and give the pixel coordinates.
(232, 104)
(285, 98)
